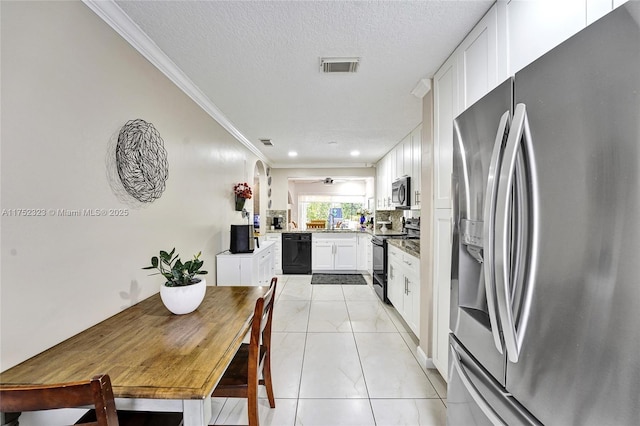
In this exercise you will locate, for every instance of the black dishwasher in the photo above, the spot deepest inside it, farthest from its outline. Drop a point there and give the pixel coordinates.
(296, 253)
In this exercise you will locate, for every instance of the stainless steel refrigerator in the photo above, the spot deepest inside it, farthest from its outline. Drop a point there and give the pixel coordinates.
(545, 287)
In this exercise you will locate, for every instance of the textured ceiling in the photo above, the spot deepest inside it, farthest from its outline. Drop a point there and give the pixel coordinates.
(259, 63)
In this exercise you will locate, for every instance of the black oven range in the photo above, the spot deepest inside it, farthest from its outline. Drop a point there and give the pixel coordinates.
(411, 230)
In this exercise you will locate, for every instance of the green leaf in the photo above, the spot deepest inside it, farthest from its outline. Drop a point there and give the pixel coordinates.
(154, 262)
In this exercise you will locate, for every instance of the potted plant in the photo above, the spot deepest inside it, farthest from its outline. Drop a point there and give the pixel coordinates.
(183, 292)
(242, 192)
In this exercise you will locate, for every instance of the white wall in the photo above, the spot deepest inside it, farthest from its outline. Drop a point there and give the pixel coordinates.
(69, 83)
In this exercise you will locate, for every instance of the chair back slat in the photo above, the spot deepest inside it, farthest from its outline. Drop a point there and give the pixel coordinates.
(97, 393)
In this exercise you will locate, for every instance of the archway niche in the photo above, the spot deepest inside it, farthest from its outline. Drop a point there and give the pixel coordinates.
(259, 185)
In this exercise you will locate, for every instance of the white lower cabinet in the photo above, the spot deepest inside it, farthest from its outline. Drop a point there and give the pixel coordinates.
(334, 252)
(403, 286)
(255, 268)
(364, 253)
(276, 238)
(441, 289)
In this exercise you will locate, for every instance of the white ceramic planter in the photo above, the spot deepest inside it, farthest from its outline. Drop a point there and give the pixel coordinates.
(184, 299)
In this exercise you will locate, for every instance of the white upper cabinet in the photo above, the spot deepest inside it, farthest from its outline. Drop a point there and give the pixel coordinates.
(478, 60)
(403, 160)
(469, 73)
(416, 163)
(383, 183)
(535, 27)
(445, 99)
(596, 9)
(398, 152)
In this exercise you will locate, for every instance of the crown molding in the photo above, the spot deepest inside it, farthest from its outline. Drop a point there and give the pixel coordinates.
(115, 17)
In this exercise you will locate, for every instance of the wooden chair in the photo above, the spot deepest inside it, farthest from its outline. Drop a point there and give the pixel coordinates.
(242, 377)
(96, 392)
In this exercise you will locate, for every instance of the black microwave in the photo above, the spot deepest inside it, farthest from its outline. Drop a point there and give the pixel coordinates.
(400, 190)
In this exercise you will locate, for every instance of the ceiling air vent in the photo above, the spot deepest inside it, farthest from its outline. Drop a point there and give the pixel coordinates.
(339, 64)
(266, 142)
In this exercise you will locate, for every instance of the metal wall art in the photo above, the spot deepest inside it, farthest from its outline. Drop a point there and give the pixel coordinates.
(141, 161)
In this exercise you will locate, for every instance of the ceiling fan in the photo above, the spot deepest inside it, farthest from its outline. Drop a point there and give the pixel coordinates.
(325, 181)
(331, 181)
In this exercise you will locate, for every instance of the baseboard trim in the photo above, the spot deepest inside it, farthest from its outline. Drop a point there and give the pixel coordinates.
(424, 360)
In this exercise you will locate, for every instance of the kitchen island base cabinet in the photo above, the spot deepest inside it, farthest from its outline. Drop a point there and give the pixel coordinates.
(248, 269)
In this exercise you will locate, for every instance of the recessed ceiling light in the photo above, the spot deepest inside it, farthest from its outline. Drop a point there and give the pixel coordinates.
(293, 154)
(355, 153)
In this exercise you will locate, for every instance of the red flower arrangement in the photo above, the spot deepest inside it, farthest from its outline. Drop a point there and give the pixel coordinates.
(242, 190)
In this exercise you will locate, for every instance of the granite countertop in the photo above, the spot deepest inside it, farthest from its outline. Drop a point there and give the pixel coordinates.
(336, 231)
(411, 247)
(320, 231)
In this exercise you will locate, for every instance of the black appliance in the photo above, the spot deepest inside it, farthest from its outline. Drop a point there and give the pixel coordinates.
(296, 253)
(400, 190)
(277, 223)
(411, 230)
(242, 240)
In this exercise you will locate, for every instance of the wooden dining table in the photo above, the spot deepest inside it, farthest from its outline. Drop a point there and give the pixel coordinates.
(157, 361)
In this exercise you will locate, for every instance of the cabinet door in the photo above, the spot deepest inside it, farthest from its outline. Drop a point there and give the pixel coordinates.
(363, 241)
(441, 288)
(411, 303)
(266, 266)
(249, 270)
(227, 270)
(445, 93)
(379, 178)
(596, 9)
(395, 285)
(535, 27)
(392, 167)
(407, 153)
(402, 162)
(345, 255)
(277, 252)
(416, 165)
(478, 60)
(322, 255)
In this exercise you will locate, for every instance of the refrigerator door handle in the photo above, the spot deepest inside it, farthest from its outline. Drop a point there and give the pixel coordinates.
(492, 416)
(519, 129)
(488, 265)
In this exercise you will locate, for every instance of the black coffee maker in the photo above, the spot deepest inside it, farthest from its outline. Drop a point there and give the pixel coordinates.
(242, 240)
(277, 223)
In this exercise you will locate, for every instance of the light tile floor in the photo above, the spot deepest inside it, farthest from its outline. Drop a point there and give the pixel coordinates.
(341, 357)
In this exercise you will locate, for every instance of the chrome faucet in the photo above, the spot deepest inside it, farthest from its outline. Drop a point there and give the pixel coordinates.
(331, 219)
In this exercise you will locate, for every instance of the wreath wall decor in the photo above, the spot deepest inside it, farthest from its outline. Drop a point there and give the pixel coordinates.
(141, 160)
